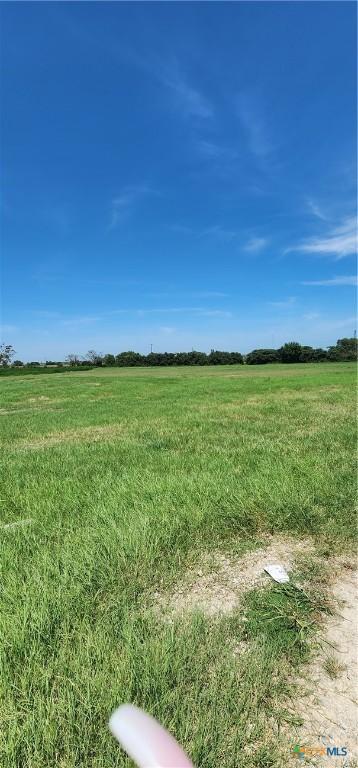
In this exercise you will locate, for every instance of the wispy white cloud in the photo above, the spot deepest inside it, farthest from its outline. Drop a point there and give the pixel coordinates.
(198, 311)
(252, 119)
(62, 319)
(285, 304)
(202, 311)
(189, 294)
(217, 231)
(335, 325)
(311, 315)
(166, 310)
(334, 281)
(338, 242)
(7, 328)
(79, 320)
(316, 210)
(216, 151)
(57, 217)
(188, 100)
(47, 314)
(125, 202)
(210, 294)
(174, 295)
(183, 229)
(215, 313)
(256, 244)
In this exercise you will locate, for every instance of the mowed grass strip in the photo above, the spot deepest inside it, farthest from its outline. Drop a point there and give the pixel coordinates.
(128, 476)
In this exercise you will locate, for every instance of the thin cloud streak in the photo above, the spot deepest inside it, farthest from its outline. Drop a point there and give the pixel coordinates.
(213, 151)
(334, 281)
(252, 121)
(338, 242)
(188, 295)
(285, 304)
(216, 231)
(200, 311)
(316, 210)
(123, 205)
(256, 244)
(311, 316)
(189, 100)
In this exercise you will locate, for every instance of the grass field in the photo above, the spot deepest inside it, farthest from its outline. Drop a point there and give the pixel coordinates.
(128, 476)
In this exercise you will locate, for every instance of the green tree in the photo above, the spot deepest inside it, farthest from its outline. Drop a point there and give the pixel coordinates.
(262, 356)
(311, 355)
(236, 358)
(6, 354)
(290, 352)
(73, 360)
(130, 358)
(197, 358)
(109, 360)
(224, 358)
(93, 357)
(344, 351)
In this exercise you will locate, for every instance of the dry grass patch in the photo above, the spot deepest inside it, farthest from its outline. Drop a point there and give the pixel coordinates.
(38, 399)
(310, 431)
(30, 410)
(94, 434)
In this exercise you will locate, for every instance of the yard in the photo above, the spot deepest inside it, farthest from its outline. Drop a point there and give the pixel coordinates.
(128, 492)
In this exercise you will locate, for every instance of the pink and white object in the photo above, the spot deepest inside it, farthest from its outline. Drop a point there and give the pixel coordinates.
(145, 740)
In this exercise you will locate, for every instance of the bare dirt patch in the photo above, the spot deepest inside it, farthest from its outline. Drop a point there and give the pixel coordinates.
(329, 710)
(215, 586)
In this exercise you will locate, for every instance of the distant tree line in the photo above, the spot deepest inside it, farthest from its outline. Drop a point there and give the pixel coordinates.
(292, 352)
(125, 359)
(345, 350)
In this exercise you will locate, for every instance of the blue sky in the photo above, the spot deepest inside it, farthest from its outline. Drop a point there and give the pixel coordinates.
(177, 174)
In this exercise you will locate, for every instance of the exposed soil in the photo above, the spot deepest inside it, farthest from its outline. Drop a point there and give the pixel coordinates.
(218, 583)
(330, 710)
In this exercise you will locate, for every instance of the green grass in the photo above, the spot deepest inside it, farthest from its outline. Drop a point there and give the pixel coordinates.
(128, 474)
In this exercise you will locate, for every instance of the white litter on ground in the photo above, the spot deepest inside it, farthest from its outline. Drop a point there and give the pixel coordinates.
(277, 573)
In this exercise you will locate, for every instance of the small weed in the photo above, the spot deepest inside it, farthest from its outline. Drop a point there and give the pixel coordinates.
(333, 667)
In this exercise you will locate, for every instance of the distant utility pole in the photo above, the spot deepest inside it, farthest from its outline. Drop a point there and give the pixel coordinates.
(355, 333)
(151, 348)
